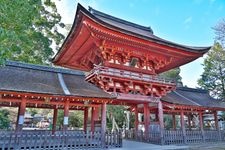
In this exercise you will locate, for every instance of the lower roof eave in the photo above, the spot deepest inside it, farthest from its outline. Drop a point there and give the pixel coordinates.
(194, 106)
(26, 94)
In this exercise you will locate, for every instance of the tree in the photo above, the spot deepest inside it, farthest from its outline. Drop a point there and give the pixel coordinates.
(4, 119)
(220, 32)
(32, 111)
(173, 74)
(75, 119)
(117, 113)
(213, 77)
(27, 30)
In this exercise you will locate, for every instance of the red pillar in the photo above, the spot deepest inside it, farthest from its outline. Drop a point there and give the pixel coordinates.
(94, 117)
(216, 120)
(146, 119)
(157, 115)
(21, 113)
(136, 118)
(183, 126)
(189, 121)
(55, 114)
(201, 126)
(85, 118)
(160, 115)
(103, 122)
(66, 115)
(161, 122)
(200, 121)
(174, 121)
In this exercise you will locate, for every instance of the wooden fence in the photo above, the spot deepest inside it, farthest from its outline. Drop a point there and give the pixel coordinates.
(68, 140)
(176, 136)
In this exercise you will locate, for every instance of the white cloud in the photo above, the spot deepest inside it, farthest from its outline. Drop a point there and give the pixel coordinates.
(188, 20)
(212, 1)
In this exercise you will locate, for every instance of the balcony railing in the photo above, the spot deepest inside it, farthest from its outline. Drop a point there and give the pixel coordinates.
(130, 75)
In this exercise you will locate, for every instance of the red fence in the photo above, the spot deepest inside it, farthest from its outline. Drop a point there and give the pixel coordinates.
(177, 137)
(68, 140)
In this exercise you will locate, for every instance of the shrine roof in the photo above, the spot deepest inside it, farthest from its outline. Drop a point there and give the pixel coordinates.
(194, 97)
(39, 79)
(93, 29)
(135, 29)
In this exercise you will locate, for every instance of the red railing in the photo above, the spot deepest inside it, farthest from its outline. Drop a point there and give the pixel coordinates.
(128, 74)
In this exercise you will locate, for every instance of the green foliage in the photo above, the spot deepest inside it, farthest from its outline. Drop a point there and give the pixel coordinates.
(27, 30)
(75, 119)
(213, 77)
(32, 111)
(60, 116)
(168, 121)
(4, 119)
(173, 74)
(118, 113)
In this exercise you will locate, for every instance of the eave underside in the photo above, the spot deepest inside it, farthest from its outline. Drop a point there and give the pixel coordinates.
(96, 44)
(90, 32)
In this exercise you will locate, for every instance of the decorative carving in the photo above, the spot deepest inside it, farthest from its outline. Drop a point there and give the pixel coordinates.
(118, 82)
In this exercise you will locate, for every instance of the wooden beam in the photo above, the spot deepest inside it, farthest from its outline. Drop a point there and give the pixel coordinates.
(32, 96)
(37, 101)
(190, 108)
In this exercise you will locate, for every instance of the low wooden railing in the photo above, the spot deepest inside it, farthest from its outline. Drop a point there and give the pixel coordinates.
(176, 136)
(59, 140)
(130, 75)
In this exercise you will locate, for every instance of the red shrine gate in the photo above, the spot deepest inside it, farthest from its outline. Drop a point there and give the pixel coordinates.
(123, 59)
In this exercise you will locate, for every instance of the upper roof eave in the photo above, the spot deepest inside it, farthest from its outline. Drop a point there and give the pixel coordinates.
(80, 8)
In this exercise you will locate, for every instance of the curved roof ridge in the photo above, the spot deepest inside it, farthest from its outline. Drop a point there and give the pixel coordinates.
(199, 90)
(43, 68)
(101, 14)
(190, 100)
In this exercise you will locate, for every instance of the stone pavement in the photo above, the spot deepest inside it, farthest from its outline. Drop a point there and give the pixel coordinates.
(132, 145)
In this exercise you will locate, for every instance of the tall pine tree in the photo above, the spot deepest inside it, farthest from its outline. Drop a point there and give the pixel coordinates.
(27, 30)
(213, 77)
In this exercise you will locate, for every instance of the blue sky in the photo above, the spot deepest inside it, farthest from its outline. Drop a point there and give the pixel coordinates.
(186, 22)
